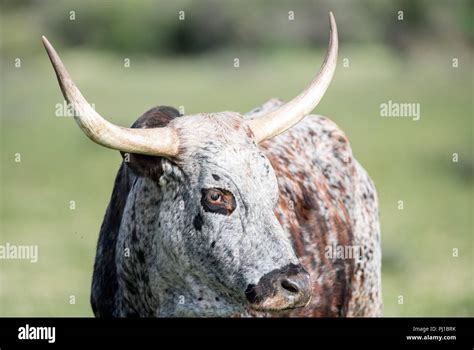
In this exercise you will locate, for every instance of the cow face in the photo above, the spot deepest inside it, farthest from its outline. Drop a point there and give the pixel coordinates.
(216, 231)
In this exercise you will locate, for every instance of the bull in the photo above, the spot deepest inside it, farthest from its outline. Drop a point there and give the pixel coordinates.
(223, 214)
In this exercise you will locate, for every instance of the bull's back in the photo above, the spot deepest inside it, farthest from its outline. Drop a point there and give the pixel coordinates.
(328, 205)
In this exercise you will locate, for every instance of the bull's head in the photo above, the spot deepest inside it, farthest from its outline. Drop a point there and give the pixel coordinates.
(206, 227)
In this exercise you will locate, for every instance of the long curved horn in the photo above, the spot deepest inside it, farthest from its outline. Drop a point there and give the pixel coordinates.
(283, 118)
(156, 142)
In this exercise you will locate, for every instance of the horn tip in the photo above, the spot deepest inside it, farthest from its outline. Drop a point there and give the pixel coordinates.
(47, 45)
(332, 25)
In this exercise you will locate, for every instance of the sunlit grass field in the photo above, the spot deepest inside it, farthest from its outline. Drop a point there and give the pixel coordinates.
(410, 161)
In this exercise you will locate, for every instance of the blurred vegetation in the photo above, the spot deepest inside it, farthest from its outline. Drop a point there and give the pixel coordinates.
(153, 27)
(190, 63)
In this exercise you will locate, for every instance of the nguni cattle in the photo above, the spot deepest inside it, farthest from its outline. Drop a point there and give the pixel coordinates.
(223, 214)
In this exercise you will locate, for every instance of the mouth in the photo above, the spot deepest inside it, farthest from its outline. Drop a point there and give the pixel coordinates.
(278, 304)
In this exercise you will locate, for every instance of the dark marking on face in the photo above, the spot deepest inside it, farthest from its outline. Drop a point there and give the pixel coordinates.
(141, 256)
(216, 177)
(217, 200)
(198, 222)
(134, 234)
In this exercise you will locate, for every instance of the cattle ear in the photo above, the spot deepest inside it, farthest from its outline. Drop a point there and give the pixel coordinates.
(143, 165)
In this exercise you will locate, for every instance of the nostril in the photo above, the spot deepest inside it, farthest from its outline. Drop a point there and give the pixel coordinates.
(251, 293)
(290, 286)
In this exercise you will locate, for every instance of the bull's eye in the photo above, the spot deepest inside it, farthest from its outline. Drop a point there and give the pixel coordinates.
(215, 196)
(217, 200)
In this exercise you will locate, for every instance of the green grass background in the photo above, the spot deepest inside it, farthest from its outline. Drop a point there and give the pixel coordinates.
(408, 160)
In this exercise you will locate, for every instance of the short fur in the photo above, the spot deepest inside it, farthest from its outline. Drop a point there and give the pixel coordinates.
(160, 254)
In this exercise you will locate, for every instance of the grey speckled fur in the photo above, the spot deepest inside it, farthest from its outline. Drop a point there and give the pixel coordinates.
(295, 194)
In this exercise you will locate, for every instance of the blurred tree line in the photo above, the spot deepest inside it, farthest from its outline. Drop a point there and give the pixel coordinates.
(197, 26)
